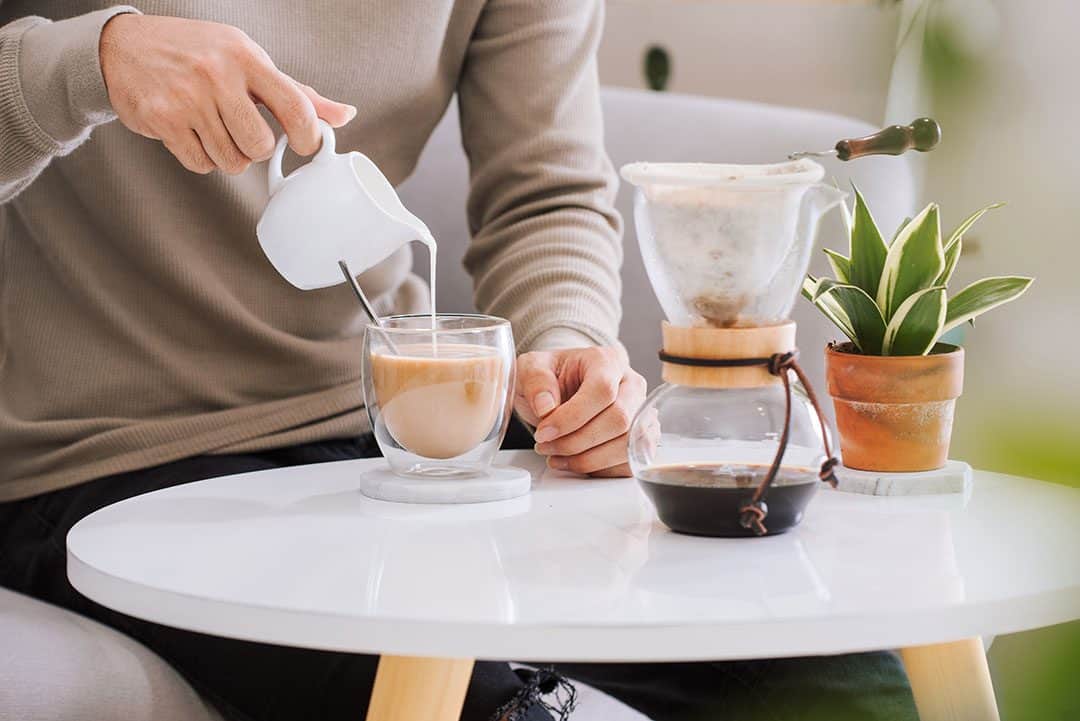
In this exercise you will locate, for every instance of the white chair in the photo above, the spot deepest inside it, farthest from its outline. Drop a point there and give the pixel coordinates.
(58, 666)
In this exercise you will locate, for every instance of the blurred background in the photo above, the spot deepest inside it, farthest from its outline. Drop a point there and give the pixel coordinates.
(1001, 78)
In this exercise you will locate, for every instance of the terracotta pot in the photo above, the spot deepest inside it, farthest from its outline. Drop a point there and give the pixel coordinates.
(894, 413)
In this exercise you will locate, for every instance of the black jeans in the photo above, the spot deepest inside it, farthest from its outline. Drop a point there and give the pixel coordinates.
(262, 682)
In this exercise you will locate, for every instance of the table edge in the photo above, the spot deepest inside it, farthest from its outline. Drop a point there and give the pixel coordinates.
(536, 642)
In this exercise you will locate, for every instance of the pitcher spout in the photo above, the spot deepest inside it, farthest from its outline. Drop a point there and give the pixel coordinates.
(821, 198)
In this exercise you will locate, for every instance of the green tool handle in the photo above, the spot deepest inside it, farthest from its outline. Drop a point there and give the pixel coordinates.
(922, 135)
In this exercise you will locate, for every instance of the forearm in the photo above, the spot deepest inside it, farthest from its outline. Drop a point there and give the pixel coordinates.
(546, 245)
(51, 92)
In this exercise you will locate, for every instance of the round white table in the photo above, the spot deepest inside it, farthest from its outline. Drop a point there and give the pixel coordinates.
(580, 570)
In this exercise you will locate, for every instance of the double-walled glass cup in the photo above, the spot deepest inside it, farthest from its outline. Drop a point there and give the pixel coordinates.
(439, 398)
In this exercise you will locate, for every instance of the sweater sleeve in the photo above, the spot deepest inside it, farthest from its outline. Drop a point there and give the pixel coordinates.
(51, 92)
(546, 245)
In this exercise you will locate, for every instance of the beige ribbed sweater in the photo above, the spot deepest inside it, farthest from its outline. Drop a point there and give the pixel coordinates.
(139, 321)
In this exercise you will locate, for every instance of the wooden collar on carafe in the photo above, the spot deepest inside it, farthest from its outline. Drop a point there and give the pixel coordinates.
(725, 344)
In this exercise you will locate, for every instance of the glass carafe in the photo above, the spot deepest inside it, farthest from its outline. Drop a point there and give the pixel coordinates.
(732, 443)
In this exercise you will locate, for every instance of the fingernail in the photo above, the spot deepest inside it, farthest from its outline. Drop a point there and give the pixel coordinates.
(543, 449)
(350, 112)
(543, 403)
(558, 463)
(543, 435)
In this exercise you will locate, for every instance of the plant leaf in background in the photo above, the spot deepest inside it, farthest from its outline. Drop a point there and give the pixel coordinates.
(841, 266)
(864, 318)
(969, 221)
(983, 295)
(868, 249)
(829, 306)
(657, 67)
(899, 230)
(952, 257)
(917, 323)
(914, 262)
(954, 245)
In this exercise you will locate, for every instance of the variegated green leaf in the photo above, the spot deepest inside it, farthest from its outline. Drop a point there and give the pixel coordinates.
(828, 306)
(864, 319)
(969, 221)
(917, 323)
(900, 229)
(841, 266)
(832, 310)
(914, 261)
(983, 295)
(868, 249)
(954, 246)
(952, 257)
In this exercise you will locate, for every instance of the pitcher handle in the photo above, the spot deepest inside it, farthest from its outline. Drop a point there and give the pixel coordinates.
(274, 178)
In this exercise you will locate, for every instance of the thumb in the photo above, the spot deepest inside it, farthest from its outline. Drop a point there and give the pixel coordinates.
(333, 112)
(538, 387)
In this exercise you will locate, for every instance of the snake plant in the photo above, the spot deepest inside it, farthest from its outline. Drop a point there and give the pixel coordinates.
(892, 298)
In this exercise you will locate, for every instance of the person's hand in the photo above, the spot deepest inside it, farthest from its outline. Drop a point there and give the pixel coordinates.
(581, 402)
(194, 86)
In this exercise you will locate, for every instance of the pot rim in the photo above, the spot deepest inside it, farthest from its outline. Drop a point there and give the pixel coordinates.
(837, 349)
(859, 378)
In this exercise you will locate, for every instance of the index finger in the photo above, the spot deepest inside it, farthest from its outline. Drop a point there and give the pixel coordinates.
(292, 108)
(598, 390)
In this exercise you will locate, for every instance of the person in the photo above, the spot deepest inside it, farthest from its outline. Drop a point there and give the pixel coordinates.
(145, 341)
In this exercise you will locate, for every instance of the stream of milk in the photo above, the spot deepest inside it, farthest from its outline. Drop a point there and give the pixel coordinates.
(432, 252)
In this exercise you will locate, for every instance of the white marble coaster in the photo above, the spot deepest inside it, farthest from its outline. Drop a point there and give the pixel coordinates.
(953, 477)
(499, 484)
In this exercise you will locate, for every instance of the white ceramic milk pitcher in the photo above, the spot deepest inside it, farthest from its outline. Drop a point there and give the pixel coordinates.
(335, 208)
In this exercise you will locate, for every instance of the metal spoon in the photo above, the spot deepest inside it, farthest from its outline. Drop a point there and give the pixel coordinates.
(366, 304)
(922, 134)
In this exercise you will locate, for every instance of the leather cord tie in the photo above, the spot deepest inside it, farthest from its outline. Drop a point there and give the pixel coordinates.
(752, 515)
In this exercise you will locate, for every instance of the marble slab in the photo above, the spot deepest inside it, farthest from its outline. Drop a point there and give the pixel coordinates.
(499, 484)
(953, 477)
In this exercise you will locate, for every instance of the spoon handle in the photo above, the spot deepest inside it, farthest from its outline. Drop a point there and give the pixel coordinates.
(922, 134)
(364, 302)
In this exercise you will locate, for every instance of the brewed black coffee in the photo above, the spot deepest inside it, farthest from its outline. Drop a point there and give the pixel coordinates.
(704, 499)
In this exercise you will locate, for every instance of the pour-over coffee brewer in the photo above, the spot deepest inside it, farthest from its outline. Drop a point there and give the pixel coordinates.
(733, 443)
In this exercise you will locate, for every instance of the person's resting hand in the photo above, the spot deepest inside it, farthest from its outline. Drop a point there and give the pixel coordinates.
(581, 401)
(193, 85)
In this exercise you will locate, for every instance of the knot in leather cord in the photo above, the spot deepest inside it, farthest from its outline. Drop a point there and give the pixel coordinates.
(752, 517)
(780, 362)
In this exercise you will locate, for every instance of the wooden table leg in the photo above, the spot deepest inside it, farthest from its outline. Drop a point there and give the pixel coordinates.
(951, 681)
(410, 688)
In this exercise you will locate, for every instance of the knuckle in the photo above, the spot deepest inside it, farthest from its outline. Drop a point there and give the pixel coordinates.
(262, 145)
(232, 159)
(192, 159)
(297, 110)
(208, 66)
(235, 166)
(255, 135)
(236, 38)
(195, 165)
(623, 417)
(607, 390)
(202, 166)
(579, 463)
(157, 113)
